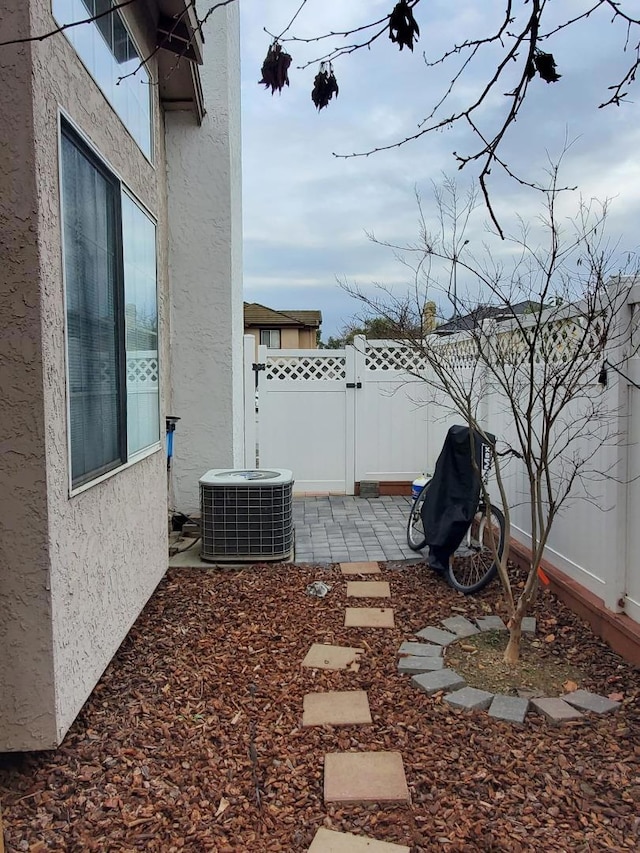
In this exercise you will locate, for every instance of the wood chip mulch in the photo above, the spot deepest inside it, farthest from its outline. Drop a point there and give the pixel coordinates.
(192, 740)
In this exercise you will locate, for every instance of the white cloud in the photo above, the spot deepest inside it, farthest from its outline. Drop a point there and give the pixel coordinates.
(306, 211)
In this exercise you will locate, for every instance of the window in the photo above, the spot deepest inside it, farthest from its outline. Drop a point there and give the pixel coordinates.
(108, 51)
(112, 317)
(270, 338)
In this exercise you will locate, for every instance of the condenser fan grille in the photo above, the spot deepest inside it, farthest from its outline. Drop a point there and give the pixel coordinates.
(250, 519)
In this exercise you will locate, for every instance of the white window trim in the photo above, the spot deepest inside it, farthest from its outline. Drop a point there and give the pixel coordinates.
(140, 455)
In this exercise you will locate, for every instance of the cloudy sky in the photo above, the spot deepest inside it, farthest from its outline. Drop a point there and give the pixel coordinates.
(307, 212)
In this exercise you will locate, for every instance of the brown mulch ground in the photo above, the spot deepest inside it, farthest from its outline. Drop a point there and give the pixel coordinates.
(192, 740)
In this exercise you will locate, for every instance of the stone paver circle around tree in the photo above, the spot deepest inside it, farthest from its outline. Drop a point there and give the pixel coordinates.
(424, 662)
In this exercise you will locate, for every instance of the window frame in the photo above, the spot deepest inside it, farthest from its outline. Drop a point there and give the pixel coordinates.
(149, 156)
(66, 126)
(271, 330)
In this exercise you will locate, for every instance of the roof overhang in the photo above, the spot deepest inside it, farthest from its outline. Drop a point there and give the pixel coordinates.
(179, 41)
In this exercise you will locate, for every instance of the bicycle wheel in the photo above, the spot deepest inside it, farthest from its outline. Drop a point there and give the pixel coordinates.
(416, 539)
(474, 563)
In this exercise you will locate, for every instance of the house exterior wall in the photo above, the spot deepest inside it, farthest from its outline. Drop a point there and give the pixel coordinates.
(308, 339)
(289, 338)
(27, 702)
(86, 564)
(205, 268)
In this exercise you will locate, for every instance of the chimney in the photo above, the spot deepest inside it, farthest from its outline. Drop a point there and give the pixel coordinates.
(428, 317)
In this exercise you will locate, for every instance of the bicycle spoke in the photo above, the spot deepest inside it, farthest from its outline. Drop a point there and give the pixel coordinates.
(474, 563)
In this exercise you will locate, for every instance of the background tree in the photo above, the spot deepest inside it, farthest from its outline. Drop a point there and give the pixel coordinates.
(374, 328)
(541, 364)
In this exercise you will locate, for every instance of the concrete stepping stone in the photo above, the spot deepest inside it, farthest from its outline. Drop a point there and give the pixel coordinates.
(460, 626)
(330, 841)
(437, 636)
(369, 617)
(584, 700)
(433, 682)
(365, 777)
(556, 710)
(323, 656)
(368, 568)
(511, 709)
(336, 708)
(529, 625)
(413, 664)
(490, 623)
(470, 699)
(368, 589)
(424, 650)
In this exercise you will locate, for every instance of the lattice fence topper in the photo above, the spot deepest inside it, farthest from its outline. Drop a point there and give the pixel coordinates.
(142, 371)
(307, 367)
(558, 342)
(394, 358)
(458, 354)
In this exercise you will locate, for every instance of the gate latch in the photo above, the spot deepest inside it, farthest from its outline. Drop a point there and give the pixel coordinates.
(256, 369)
(354, 384)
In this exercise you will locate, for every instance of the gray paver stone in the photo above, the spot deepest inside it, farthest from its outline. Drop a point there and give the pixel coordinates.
(414, 664)
(432, 682)
(490, 623)
(470, 699)
(556, 710)
(587, 701)
(437, 635)
(460, 626)
(529, 625)
(423, 650)
(512, 709)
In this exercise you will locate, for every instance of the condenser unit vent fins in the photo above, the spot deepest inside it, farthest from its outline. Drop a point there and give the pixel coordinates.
(246, 515)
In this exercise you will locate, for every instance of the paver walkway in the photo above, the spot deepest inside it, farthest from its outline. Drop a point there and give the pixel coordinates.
(345, 528)
(357, 532)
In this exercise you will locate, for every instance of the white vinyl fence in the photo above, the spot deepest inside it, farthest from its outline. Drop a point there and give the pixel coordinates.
(336, 417)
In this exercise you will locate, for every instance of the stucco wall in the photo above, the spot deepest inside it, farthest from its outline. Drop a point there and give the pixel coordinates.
(205, 267)
(308, 339)
(26, 654)
(107, 545)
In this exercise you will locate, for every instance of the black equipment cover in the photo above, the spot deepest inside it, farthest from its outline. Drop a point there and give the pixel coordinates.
(452, 498)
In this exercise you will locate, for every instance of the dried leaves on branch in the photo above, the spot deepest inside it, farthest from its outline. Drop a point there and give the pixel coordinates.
(324, 86)
(403, 29)
(500, 63)
(275, 68)
(545, 65)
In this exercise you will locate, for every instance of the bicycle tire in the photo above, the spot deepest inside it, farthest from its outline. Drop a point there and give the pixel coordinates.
(472, 568)
(416, 539)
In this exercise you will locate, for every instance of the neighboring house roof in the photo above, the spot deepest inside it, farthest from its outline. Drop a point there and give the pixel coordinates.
(486, 312)
(259, 315)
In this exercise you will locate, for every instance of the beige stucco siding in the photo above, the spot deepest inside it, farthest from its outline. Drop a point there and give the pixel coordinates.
(308, 339)
(205, 266)
(105, 547)
(26, 646)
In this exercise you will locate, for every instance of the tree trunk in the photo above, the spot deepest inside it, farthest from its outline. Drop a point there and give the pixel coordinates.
(524, 604)
(512, 652)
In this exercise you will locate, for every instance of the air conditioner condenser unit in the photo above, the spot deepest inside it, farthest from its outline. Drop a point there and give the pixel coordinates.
(246, 515)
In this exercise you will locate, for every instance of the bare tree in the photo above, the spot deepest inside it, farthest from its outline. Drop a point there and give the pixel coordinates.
(533, 334)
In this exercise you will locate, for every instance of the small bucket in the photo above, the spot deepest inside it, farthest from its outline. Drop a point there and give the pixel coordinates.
(417, 486)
